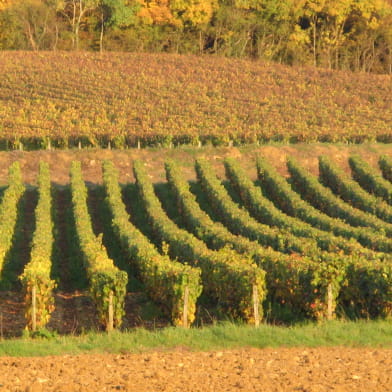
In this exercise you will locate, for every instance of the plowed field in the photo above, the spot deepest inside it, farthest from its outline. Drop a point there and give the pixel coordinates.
(294, 369)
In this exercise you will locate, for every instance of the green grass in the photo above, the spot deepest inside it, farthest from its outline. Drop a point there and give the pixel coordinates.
(222, 336)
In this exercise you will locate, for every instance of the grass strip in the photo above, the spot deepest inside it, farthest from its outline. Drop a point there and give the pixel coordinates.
(226, 335)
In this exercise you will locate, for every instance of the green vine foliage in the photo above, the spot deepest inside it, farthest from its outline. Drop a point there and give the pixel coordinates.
(324, 199)
(288, 277)
(385, 163)
(265, 211)
(361, 282)
(105, 279)
(36, 273)
(9, 210)
(307, 271)
(351, 192)
(370, 179)
(227, 277)
(239, 220)
(166, 281)
(367, 289)
(289, 201)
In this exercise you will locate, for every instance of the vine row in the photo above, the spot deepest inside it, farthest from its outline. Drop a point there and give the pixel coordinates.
(168, 282)
(36, 278)
(289, 201)
(241, 223)
(370, 179)
(385, 163)
(264, 210)
(324, 199)
(351, 192)
(9, 211)
(289, 278)
(107, 284)
(228, 277)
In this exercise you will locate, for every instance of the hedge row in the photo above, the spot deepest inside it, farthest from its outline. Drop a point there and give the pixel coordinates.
(107, 284)
(167, 282)
(370, 179)
(227, 277)
(351, 192)
(358, 286)
(241, 223)
(36, 277)
(324, 199)
(265, 211)
(9, 211)
(385, 163)
(281, 193)
(291, 280)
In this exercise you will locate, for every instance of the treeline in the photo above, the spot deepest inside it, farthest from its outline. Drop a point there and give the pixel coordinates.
(338, 34)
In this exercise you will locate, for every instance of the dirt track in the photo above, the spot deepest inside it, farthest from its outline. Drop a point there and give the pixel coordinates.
(294, 369)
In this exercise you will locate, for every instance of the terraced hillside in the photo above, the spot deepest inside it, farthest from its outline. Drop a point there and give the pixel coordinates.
(313, 244)
(70, 99)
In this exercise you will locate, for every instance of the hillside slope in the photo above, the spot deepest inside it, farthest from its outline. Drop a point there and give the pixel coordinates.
(158, 99)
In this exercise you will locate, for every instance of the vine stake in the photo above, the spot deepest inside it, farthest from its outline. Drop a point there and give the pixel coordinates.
(329, 302)
(256, 306)
(185, 315)
(110, 311)
(34, 308)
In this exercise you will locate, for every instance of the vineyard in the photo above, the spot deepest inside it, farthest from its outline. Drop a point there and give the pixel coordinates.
(279, 249)
(63, 100)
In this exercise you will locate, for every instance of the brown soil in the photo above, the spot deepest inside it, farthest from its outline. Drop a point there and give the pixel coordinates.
(293, 369)
(74, 313)
(60, 160)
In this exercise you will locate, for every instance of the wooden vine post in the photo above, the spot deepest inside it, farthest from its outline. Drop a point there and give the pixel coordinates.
(185, 312)
(256, 306)
(329, 302)
(34, 308)
(110, 325)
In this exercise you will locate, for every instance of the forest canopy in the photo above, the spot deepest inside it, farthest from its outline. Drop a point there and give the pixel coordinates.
(337, 34)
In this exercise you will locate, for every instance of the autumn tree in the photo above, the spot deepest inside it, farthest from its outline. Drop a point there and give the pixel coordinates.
(261, 28)
(157, 12)
(339, 28)
(371, 48)
(34, 20)
(341, 34)
(114, 14)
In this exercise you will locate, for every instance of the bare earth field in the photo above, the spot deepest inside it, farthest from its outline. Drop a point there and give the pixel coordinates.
(91, 159)
(294, 369)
